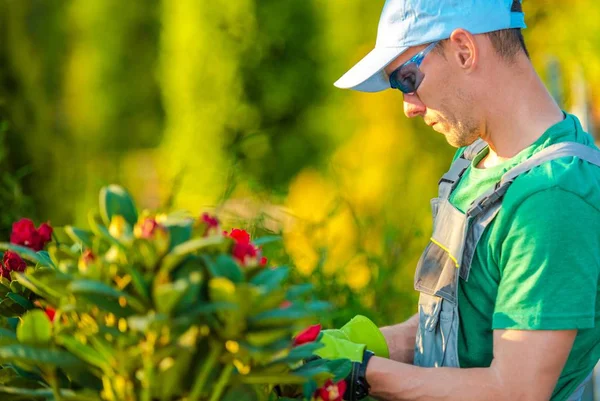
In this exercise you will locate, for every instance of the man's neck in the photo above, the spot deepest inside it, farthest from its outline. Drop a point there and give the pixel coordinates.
(522, 110)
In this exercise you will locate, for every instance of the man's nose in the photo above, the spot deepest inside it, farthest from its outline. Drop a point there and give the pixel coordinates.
(413, 106)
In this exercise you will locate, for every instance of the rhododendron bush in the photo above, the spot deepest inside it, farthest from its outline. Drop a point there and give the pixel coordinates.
(145, 306)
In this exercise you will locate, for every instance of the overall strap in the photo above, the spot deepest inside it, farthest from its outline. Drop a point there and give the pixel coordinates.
(457, 169)
(484, 209)
(553, 152)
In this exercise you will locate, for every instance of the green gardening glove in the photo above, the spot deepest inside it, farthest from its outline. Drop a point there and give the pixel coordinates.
(337, 346)
(352, 339)
(362, 330)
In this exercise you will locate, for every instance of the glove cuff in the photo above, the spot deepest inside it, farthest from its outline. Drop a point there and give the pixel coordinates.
(358, 387)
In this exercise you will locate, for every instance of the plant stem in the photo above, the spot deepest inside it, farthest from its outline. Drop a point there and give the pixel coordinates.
(147, 357)
(55, 385)
(207, 367)
(222, 383)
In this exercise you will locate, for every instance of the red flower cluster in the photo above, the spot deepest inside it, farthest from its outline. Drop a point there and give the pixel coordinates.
(24, 233)
(244, 250)
(11, 262)
(308, 335)
(331, 391)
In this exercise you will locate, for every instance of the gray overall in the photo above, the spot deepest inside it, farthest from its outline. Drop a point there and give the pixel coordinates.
(448, 256)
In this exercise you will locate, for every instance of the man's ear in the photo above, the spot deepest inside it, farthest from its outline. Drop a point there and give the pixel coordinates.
(463, 48)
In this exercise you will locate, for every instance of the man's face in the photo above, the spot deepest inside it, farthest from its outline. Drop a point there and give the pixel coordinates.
(443, 98)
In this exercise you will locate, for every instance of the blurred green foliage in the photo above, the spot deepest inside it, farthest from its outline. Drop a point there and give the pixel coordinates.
(230, 106)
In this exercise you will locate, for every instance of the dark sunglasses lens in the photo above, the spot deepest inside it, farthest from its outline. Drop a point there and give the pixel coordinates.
(407, 78)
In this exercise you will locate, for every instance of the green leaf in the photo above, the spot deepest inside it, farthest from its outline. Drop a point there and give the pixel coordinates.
(224, 266)
(241, 392)
(46, 261)
(80, 236)
(181, 251)
(266, 240)
(138, 282)
(24, 252)
(288, 315)
(180, 230)
(105, 304)
(115, 200)
(26, 394)
(340, 368)
(36, 283)
(171, 381)
(24, 302)
(270, 278)
(7, 337)
(99, 229)
(312, 368)
(9, 308)
(15, 286)
(90, 287)
(298, 290)
(5, 282)
(309, 388)
(300, 352)
(84, 352)
(35, 328)
(259, 378)
(266, 337)
(168, 295)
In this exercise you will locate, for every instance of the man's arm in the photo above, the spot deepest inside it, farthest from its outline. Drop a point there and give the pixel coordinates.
(526, 366)
(400, 339)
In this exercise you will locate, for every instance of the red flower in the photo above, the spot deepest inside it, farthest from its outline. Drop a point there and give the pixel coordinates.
(240, 236)
(242, 252)
(50, 313)
(45, 232)
(332, 391)
(211, 223)
(285, 304)
(24, 233)
(309, 335)
(149, 227)
(11, 262)
(88, 257)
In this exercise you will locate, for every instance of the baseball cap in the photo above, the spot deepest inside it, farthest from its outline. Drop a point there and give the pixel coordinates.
(407, 23)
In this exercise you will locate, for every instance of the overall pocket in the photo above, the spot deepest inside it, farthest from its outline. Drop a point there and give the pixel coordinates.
(436, 318)
(438, 267)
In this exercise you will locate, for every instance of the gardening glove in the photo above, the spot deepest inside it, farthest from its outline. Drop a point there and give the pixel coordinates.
(362, 330)
(338, 346)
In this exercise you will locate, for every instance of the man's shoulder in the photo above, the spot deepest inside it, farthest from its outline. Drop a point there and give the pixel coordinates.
(569, 174)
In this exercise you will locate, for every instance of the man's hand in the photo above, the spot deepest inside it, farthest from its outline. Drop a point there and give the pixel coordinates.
(526, 366)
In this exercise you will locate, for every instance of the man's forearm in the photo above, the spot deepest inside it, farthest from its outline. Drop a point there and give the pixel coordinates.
(400, 339)
(394, 381)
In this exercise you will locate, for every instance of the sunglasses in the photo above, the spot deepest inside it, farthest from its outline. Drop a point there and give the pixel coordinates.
(408, 76)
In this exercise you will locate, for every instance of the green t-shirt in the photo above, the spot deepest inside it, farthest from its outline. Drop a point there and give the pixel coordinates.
(537, 265)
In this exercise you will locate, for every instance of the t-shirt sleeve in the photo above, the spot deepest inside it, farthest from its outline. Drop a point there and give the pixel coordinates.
(549, 264)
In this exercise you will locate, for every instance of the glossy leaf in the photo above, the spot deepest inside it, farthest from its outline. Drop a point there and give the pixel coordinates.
(35, 328)
(115, 200)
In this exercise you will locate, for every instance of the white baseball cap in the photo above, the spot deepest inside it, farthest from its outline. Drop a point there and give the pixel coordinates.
(407, 23)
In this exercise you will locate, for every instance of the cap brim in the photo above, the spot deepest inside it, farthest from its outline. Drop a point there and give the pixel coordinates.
(368, 75)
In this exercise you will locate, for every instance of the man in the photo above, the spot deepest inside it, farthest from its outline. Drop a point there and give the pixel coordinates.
(510, 279)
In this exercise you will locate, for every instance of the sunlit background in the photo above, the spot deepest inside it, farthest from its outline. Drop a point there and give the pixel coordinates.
(228, 106)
